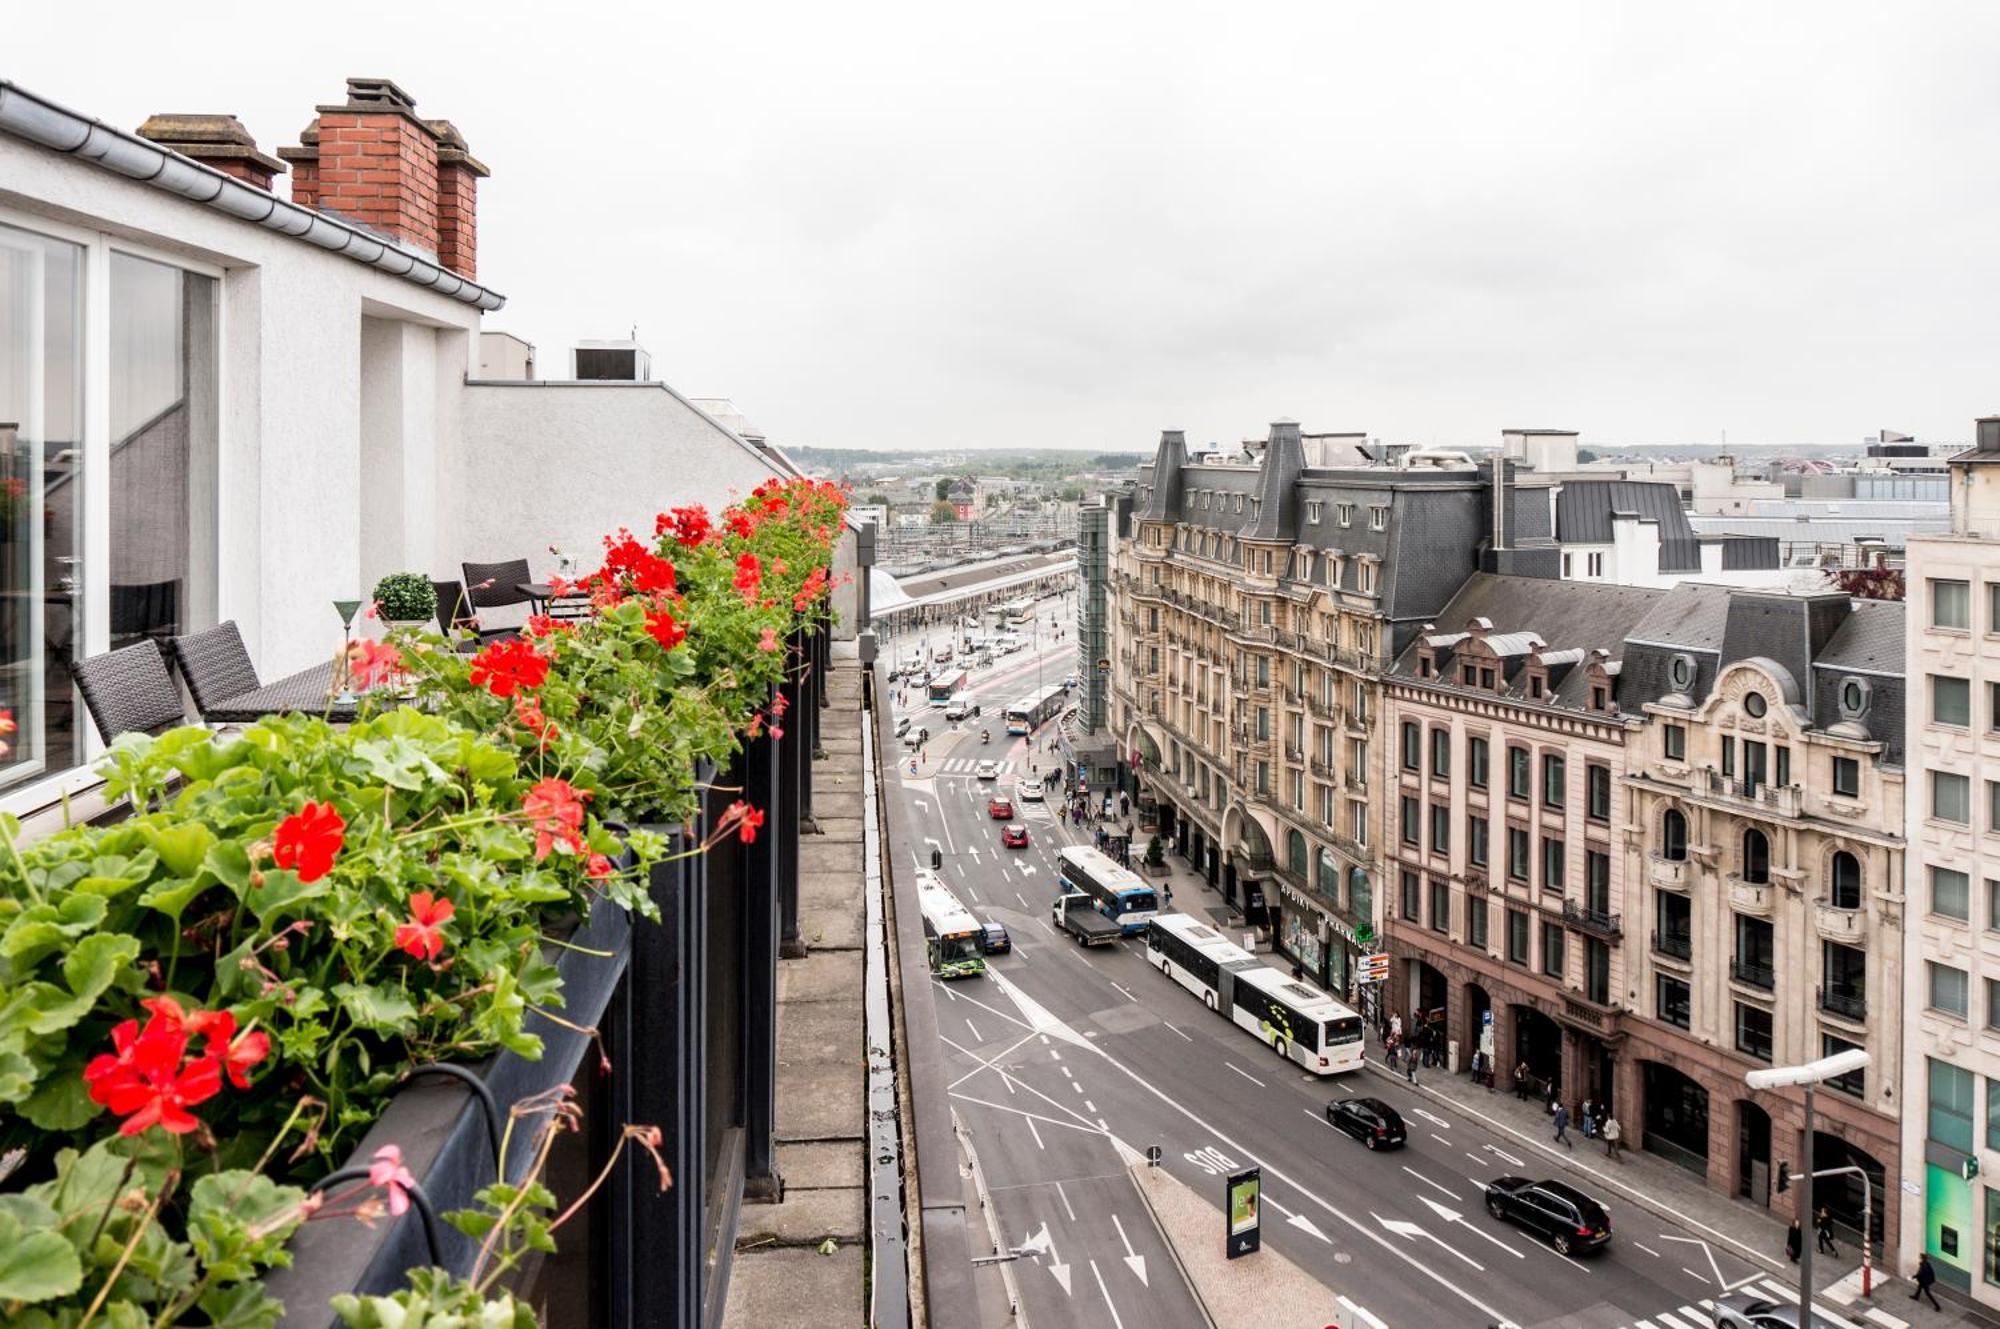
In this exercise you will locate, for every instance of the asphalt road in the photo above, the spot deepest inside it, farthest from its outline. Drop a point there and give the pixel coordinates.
(1067, 1063)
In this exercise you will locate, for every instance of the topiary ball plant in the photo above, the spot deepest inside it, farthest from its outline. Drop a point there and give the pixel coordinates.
(405, 597)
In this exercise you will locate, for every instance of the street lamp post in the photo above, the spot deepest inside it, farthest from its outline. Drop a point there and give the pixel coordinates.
(1808, 1077)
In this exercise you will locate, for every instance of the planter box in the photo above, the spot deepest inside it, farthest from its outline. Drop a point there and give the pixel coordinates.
(442, 1130)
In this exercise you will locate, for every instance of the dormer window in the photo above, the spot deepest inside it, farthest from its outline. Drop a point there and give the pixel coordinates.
(1537, 686)
(1367, 577)
(1344, 513)
(1313, 511)
(1378, 518)
(1426, 666)
(1239, 502)
(1600, 697)
(1468, 674)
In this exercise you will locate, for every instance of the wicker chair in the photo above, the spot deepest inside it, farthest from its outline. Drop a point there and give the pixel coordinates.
(456, 619)
(216, 666)
(497, 585)
(129, 691)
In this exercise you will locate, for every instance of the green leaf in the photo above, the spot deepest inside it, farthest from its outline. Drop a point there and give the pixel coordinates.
(229, 863)
(241, 1306)
(63, 1102)
(89, 969)
(115, 874)
(171, 896)
(377, 1007)
(41, 928)
(182, 848)
(35, 1265)
(17, 1077)
(282, 892)
(399, 763)
(223, 1210)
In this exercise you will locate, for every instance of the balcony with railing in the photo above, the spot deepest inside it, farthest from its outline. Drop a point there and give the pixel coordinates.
(1596, 922)
(1752, 897)
(1673, 945)
(1760, 796)
(1668, 873)
(1324, 770)
(1295, 755)
(1844, 1000)
(1755, 973)
(1846, 926)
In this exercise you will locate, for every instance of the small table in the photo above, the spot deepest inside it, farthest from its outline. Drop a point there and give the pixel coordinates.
(575, 604)
(309, 691)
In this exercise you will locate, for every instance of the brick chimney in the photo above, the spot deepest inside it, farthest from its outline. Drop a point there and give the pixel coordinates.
(458, 177)
(305, 165)
(220, 141)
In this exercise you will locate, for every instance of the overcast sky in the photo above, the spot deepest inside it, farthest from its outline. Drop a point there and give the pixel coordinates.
(1075, 224)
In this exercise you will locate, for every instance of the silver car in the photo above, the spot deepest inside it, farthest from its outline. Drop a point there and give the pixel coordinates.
(1748, 1310)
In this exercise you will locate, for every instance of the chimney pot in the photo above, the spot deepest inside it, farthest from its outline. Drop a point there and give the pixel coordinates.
(220, 141)
(1989, 433)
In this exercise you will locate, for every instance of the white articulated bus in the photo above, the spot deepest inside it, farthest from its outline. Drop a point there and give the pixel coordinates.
(1295, 1021)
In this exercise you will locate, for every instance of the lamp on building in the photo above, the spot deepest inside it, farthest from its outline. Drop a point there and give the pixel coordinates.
(1809, 1077)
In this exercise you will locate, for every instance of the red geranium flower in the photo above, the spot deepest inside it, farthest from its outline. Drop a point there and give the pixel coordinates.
(143, 1079)
(745, 819)
(749, 574)
(373, 664)
(308, 840)
(555, 810)
(420, 936)
(690, 525)
(663, 628)
(769, 641)
(507, 667)
(599, 866)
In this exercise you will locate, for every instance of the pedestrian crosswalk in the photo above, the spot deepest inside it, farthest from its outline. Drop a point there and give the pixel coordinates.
(1701, 1314)
(967, 765)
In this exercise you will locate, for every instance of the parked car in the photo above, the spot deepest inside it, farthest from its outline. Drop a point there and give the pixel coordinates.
(993, 939)
(1368, 1120)
(902, 725)
(1000, 809)
(1015, 836)
(1747, 1310)
(1555, 1210)
(916, 737)
(986, 770)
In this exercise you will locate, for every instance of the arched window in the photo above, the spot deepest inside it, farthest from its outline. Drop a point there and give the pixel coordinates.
(1846, 881)
(1329, 877)
(1295, 853)
(1674, 835)
(1756, 857)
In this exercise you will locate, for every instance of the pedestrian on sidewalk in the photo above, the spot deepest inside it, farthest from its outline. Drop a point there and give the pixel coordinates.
(1925, 1277)
(1825, 1225)
(1794, 1241)
(1521, 1085)
(1562, 1127)
(1410, 1064)
(1586, 1119)
(1611, 1134)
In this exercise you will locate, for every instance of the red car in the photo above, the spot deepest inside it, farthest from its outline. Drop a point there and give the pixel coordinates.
(1015, 837)
(1001, 809)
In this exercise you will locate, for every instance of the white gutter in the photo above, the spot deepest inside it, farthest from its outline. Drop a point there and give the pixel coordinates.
(38, 120)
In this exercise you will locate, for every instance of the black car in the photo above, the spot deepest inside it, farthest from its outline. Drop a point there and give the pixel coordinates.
(1555, 1210)
(993, 939)
(1368, 1120)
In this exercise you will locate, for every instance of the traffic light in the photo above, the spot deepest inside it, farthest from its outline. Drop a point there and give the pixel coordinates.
(1969, 1168)
(1784, 1177)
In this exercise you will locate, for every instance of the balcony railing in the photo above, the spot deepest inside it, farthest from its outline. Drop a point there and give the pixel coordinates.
(1751, 897)
(1357, 781)
(1295, 755)
(1846, 926)
(1757, 973)
(1581, 1011)
(1597, 922)
(1674, 945)
(1849, 1003)
(1778, 800)
(1324, 769)
(1670, 873)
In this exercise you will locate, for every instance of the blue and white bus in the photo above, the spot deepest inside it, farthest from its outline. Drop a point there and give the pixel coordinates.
(1297, 1022)
(1122, 895)
(1035, 710)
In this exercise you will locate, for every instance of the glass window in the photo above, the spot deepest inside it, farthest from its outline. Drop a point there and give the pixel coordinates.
(1951, 604)
(1728, 755)
(1674, 742)
(1412, 829)
(1951, 700)
(1951, 798)
(1475, 840)
(1845, 888)
(1552, 949)
(1518, 772)
(1475, 762)
(1854, 1082)
(1753, 1031)
(1993, 805)
(1440, 905)
(1440, 753)
(1552, 864)
(1671, 1000)
(1475, 921)
(1295, 853)
(1756, 952)
(1517, 936)
(1413, 900)
(1440, 828)
(1673, 925)
(1756, 857)
(41, 454)
(1948, 995)
(1412, 746)
(1597, 792)
(1844, 989)
(1847, 777)
(1597, 971)
(1951, 894)
(1517, 852)
(1674, 835)
(1993, 1003)
(1951, 1105)
(1555, 780)
(1360, 894)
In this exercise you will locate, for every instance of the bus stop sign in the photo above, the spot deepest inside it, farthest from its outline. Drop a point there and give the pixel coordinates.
(1245, 1189)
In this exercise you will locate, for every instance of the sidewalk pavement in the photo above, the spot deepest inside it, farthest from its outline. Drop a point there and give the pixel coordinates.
(1261, 1291)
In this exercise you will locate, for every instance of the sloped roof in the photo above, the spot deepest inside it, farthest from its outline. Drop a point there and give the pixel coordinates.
(1871, 639)
(1585, 508)
(1691, 617)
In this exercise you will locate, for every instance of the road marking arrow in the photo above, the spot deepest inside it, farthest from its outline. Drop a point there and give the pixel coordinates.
(1136, 1263)
(1040, 1243)
(1504, 1154)
(1431, 1117)
(1405, 1228)
(1452, 1216)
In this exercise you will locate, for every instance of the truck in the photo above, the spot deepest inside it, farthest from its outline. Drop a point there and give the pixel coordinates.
(1077, 914)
